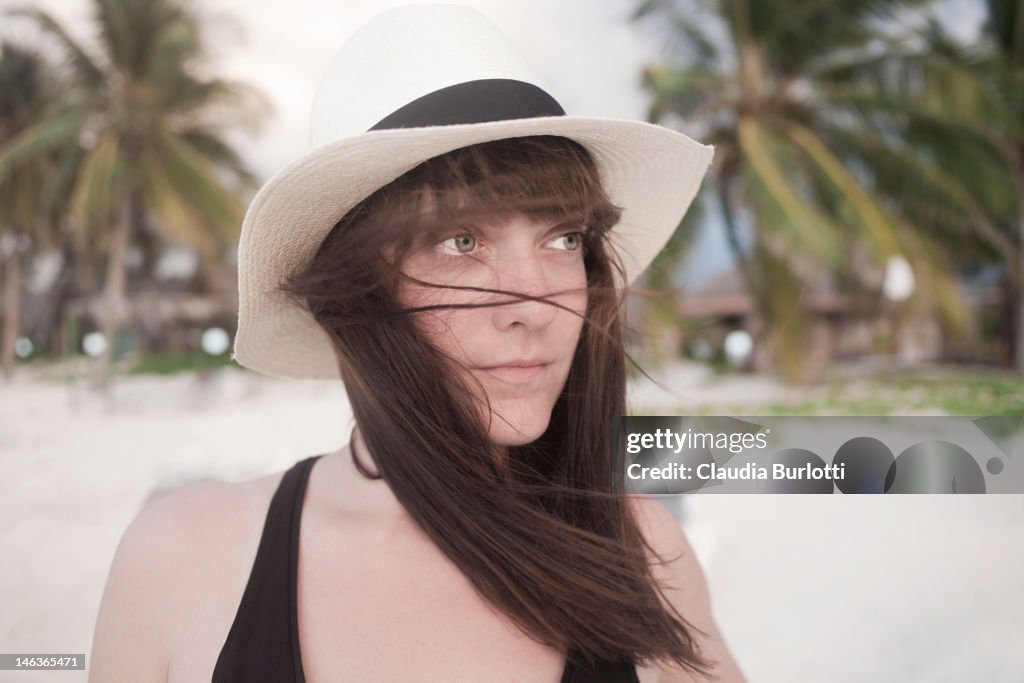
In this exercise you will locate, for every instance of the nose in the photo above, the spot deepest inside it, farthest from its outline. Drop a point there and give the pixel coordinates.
(523, 275)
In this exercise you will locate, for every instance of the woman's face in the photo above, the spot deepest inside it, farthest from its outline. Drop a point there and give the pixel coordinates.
(533, 258)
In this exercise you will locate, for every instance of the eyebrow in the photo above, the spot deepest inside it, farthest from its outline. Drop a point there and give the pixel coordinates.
(555, 224)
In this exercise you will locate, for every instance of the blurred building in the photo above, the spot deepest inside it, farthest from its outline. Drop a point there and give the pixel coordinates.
(840, 328)
(169, 302)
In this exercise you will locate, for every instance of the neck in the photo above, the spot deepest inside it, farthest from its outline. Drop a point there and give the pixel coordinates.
(374, 497)
(370, 498)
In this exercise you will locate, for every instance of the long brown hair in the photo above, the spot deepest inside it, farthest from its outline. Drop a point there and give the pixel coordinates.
(547, 536)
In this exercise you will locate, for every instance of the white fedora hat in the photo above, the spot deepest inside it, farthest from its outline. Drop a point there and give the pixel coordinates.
(413, 83)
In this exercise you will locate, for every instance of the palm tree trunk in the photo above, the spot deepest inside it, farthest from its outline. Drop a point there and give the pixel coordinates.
(756, 324)
(113, 306)
(733, 237)
(1017, 166)
(12, 312)
(1019, 352)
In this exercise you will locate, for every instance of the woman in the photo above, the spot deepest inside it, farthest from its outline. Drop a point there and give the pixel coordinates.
(460, 267)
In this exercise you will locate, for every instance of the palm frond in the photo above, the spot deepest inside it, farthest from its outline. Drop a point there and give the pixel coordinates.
(44, 136)
(96, 190)
(805, 223)
(873, 218)
(927, 193)
(88, 72)
(212, 147)
(192, 177)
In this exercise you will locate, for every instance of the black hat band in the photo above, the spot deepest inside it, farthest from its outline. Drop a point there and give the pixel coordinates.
(490, 99)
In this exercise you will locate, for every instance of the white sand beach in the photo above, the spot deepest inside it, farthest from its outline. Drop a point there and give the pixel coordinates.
(816, 588)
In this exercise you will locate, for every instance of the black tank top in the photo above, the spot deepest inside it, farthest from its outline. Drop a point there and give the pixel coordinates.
(263, 643)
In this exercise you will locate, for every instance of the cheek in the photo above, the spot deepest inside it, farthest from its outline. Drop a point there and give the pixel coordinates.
(575, 299)
(448, 330)
(571, 324)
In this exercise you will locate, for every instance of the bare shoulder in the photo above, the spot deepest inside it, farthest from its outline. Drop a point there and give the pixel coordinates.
(182, 545)
(686, 588)
(659, 526)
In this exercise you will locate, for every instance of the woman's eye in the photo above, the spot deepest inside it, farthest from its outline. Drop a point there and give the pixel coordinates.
(461, 244)
(466, 243)
(572, 240)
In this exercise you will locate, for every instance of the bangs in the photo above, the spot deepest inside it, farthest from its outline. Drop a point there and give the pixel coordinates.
(546, 178)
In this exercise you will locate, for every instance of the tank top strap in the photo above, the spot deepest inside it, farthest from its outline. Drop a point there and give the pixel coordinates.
(263, 642)
(262, 645)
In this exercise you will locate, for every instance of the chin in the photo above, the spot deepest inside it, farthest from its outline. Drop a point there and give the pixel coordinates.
(510, 438)
(518, 430)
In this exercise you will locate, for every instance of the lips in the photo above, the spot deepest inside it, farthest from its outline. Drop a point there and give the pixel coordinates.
(518, 371)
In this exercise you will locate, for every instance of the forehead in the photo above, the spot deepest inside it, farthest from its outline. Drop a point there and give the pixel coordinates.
(461, 212)
(512, 220)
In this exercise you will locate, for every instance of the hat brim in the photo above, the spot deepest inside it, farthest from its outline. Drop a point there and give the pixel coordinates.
(652, 172)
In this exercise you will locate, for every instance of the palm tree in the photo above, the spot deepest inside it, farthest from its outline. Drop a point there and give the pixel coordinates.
(957, 164)
(1005, 28)
(151, 125)
(28, 87)
(767, 83)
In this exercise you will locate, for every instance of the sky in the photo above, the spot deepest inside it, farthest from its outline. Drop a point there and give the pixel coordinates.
(587, 51)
